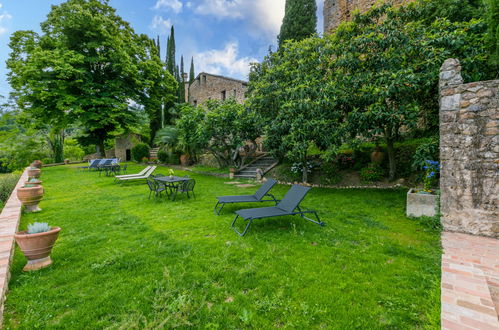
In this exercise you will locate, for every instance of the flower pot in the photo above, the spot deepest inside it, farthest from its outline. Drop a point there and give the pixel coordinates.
(37, 164)
(185, 160)
(34, 172)
(421, 204)
(66, 161)
(30, 197)
(377, 156)
(37, 247)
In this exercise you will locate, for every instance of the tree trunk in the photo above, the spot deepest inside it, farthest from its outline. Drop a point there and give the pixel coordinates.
(100, 148)
(391, 158)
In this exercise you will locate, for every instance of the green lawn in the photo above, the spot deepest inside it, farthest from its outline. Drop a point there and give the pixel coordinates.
(123, 261)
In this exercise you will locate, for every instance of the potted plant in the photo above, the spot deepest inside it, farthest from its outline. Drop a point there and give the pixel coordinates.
(66, 161)
(185, 159)
(36, 244)
(232, 172)
(37, 164)
(170, 172)
(30, 195)
(33, 181)
(34, 172)
(424, 202)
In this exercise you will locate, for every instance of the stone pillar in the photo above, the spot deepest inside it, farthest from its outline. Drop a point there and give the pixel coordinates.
(186, 84)
(469, 153)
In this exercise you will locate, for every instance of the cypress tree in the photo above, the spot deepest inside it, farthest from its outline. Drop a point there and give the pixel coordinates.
(170, 53)
(181, 83)
(158, 46)
(300, 20)
(191, 72)
(492, 14)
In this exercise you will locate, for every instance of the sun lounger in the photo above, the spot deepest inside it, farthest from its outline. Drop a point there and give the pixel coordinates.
(290, 205)
(146, 175)
(259, 196)
(132, 175)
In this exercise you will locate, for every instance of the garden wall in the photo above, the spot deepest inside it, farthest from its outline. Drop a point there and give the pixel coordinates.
(9, 222)
(469, 153)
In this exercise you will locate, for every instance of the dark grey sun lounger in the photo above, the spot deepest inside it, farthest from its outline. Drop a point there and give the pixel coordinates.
(257, 197)
(290, 205)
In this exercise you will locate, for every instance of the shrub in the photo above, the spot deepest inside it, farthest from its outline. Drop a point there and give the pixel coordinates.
(7, 184)
(330, 173)
(371, 173)
(72, 150)
(283, 173)
(427, 150)
(163, 156)
(140, 151)
(38, 227)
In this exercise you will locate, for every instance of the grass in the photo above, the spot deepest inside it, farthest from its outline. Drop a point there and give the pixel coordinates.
(123, 261)
(201, 168)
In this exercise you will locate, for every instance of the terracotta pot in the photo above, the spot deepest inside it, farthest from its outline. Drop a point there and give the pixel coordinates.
(37, 164)
(37, 247)
(30, 197)
(34, 172)
(185, 160)
(377, 156)
(66, 161)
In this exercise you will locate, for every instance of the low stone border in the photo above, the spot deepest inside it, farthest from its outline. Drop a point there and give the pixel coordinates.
(9, 222)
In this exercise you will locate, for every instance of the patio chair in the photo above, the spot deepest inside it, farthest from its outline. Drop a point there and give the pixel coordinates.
(184, 187)
(257, 197)
(132, 175)
(289, 205)
(91, 164)
(146, 175)
(104, 166)
(155, 187)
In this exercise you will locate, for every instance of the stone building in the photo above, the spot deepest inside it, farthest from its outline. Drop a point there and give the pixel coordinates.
(337, 11)
(212, 87)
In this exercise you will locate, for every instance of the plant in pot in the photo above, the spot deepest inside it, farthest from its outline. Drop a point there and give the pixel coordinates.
(66, 161)
(34, 172)
(171, 173)
(33, 181)
(36, 244)
(424, 202)
(30, 195)
(37, 164)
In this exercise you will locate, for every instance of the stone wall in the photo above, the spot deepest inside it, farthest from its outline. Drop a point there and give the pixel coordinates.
(212, 87)
(337, 11)
(124, 143)
(469, 153)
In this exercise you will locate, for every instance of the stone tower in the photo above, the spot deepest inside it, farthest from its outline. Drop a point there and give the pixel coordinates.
(337, 11)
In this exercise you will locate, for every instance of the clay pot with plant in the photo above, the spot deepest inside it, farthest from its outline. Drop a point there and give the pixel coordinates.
(30, 195)
(33, 181)
(36, 243)
(37, 164)
(185, 159)
(34, 172)
(66, 161)
(377, 156)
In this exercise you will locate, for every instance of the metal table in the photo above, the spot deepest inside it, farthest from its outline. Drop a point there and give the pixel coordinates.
(171, 182)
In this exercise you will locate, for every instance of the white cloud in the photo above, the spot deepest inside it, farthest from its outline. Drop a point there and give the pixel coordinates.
(174, 5)
(4, 16)
(160, 24)
(221, 8)
(224, 61)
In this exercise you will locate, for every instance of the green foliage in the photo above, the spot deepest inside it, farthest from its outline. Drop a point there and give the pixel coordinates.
(38, 227)
(140, 151)
(372, 173)
(170, 52)
(7, 185)
(190, 126)
(330, 173)
(163, 156)
(283, 172)
(192, 74)
(72, 150)
(167, 136)
(300, 20)
(228, 126)
(492, 15)
(425, 151)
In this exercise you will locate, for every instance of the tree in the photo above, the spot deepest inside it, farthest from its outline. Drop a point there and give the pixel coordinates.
(181, 82)
(300, 20)
(192, 74)
(90, 56)
(190, 126)
(170, 52)
(492, 14)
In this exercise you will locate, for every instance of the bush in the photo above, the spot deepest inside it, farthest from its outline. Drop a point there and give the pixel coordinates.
(427, 150)
(283, 172)
(140, 151)
(72, 150)
(163, 156)
(7, 184)
(371, 173)
(330, 173)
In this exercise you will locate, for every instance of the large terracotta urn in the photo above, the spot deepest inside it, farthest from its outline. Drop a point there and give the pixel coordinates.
(33, 181)
(30, 195)
(377, 156)
(37, 247)
(185, 160)
(34, 172)
(37, 164)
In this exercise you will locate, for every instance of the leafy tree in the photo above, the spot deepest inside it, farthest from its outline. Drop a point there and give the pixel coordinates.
(170, 52)
(492, 14)
(90, 56)
(192, 74)
(300, 20)
(228, 127)
(181, 82)
(190, 126)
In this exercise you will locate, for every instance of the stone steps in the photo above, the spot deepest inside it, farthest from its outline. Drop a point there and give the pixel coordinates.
(250, 172)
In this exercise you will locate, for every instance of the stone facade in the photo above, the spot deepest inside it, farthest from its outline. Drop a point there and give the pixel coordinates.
(123, 146)
(212, 87)
(469, 153)
(337, 11)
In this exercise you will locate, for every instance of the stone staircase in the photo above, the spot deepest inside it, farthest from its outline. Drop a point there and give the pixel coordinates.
(153, 153)
(265, 163)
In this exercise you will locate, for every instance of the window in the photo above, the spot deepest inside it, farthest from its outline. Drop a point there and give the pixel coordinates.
(224, 95)
(204, 79)
(195, 103)
(235, 93)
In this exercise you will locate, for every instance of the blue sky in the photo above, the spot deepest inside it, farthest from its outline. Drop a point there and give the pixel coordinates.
(224, 36)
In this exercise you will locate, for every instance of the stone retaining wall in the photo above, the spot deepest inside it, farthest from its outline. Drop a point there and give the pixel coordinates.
(469, 153)
(9, 222)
